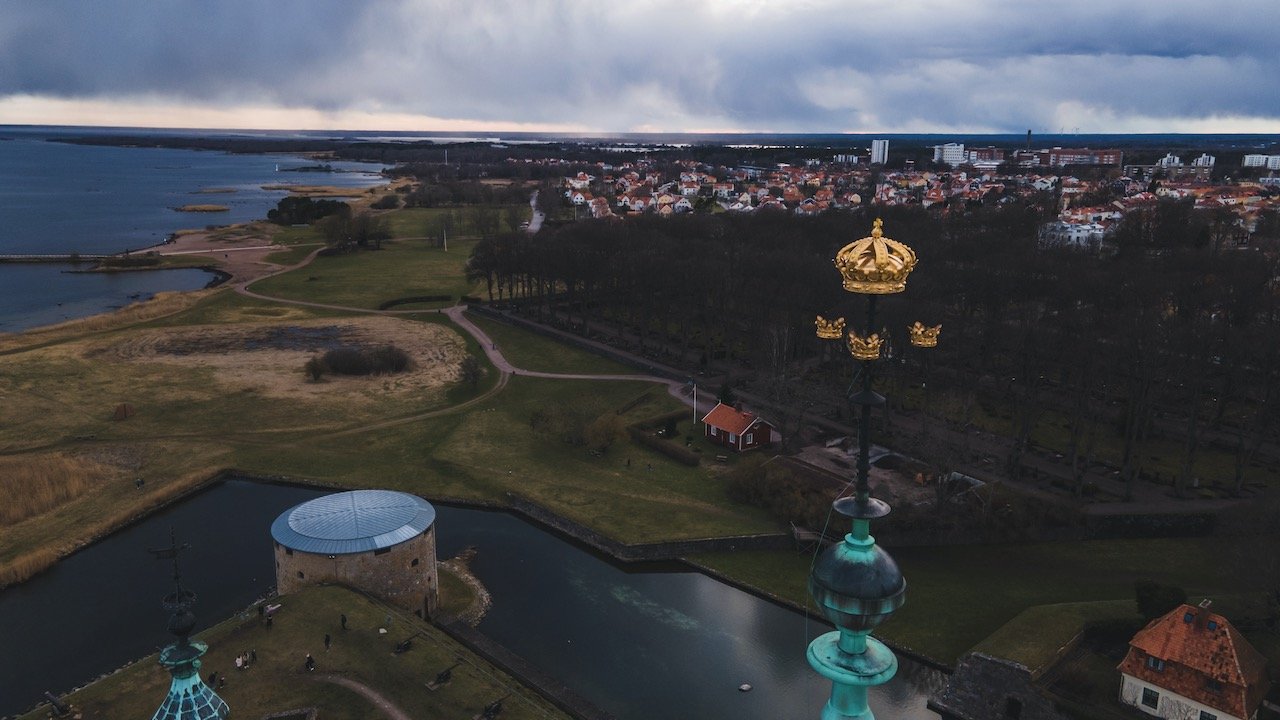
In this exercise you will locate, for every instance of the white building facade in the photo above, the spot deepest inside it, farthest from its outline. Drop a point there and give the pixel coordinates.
(1162, 703)
(879, 152)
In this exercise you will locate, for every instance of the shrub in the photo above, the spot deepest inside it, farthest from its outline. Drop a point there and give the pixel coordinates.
(386, 359)
(386, 202)
(314, 368)
(1154, 599)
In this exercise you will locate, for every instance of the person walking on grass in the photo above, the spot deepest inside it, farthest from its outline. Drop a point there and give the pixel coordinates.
(310, 663)
(342, 618)
(327, 641)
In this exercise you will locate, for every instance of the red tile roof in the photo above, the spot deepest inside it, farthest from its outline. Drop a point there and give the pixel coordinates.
(1194, 654)
(728, 419)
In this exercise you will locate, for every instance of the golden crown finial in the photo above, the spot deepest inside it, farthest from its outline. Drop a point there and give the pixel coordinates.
(830, 329)
(875, 265)
(864, 348)
(922, 336)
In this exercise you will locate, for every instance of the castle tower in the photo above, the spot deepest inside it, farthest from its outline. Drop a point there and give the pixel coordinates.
(380, 541)
(189, 697)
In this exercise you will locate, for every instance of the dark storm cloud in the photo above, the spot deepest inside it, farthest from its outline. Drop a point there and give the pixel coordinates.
(666, 64)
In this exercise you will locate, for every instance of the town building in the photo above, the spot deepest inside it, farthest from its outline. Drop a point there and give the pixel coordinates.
(1057, 157)
(1271, 162)
(949, 153)
(1192, 664)
(1205, 160)
(879, 152)
(728, 426)
(379, 541)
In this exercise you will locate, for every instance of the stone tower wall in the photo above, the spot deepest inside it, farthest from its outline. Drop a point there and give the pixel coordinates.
(390, 574)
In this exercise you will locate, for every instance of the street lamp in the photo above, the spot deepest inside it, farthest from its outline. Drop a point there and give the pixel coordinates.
(855, 583)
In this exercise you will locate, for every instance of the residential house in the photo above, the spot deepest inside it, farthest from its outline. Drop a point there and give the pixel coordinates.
(728, 426)
(1192, 664)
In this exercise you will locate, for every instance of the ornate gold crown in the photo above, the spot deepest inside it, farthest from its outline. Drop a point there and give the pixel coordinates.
(875, 265)
(867, 348)
(830, 329)
(924, 337)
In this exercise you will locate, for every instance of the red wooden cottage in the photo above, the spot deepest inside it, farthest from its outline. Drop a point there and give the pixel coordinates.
(733, 428)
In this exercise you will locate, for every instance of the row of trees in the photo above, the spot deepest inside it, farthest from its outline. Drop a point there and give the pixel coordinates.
(1173, 339)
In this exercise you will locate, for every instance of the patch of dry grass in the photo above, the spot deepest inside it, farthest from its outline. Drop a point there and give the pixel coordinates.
(162, 305)
(26, 565)
(36, 484)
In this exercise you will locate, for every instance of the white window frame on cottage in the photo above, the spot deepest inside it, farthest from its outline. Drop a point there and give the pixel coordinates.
(733, 438)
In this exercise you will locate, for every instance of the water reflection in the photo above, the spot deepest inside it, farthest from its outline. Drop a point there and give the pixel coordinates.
(658, 641)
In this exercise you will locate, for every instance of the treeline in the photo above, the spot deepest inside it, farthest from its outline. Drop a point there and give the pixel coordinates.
(1174, 338)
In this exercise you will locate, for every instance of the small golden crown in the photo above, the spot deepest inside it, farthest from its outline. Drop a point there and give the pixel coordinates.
(924, 337)
(830, 329)
(867, 348)
(875, 265)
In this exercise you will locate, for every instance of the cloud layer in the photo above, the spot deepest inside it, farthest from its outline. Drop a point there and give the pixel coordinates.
(751, 65)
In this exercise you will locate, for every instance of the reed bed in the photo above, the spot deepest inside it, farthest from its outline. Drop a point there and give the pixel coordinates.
(35, 484)
(24, 566)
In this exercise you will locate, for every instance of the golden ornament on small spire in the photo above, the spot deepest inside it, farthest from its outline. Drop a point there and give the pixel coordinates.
(875, 265)
(924, 337)
(867, 348)
(830, 329)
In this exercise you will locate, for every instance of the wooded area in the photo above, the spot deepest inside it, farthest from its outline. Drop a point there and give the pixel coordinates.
(1174, 335)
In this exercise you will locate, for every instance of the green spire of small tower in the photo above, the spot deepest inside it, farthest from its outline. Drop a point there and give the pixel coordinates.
(189, 698)
(856, 584)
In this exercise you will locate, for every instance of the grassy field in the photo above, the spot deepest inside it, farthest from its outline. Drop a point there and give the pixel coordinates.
(958, 596)
(531, 351)
(59, 386)
(403, 268)
(278, 681)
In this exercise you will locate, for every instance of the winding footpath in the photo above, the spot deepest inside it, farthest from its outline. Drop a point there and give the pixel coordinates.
(388, 708)
(457, 314)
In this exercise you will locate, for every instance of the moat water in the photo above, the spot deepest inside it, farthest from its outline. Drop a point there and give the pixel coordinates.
(639, 642)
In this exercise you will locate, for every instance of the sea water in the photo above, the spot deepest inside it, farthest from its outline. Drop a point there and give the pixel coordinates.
(62, 198)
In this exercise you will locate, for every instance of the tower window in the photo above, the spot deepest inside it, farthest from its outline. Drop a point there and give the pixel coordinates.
(414, 563)
(301, 576)
(288, 551)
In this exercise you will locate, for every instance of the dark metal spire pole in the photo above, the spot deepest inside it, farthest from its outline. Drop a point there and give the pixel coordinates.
(189, 698)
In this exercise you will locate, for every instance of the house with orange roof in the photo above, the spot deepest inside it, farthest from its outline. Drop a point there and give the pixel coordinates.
(728, 426)
(1192, 664)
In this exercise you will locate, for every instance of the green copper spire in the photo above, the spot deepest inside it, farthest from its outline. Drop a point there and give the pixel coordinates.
(856, 584)
(189, 697)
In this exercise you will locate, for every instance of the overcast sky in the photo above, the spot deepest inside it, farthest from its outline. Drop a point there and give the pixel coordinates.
(646, 65)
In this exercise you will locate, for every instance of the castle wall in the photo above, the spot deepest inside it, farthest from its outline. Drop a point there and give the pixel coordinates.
(403, 574)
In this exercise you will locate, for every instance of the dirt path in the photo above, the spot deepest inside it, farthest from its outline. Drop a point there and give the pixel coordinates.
(379, 701)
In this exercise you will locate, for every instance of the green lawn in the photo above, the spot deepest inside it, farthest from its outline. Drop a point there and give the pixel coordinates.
(278, 681)
(531, 351)
(958, 596)
(365, 279)
(490, 449)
